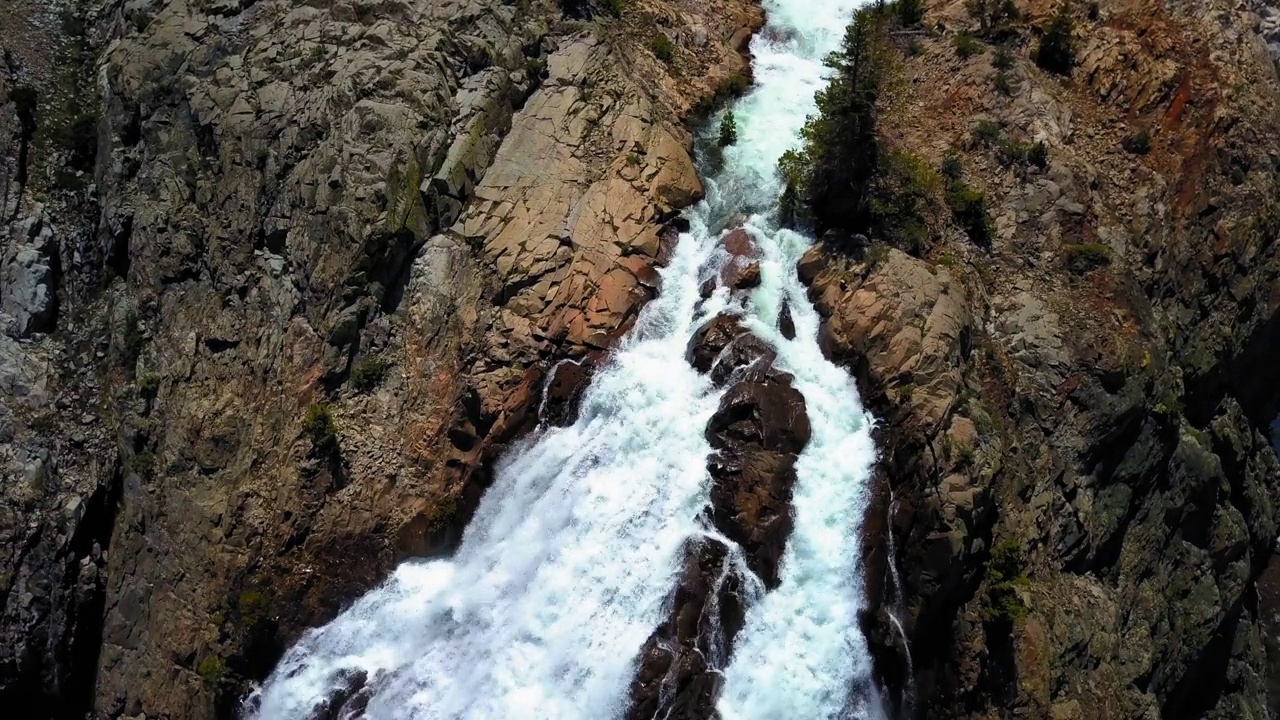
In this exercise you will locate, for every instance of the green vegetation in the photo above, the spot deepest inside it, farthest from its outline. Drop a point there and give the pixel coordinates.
(144, 464)
(1002, 60)
(997, 19)
(967, 45)
(662, 47)
(1016, 152)
(910, 13)
(613, 7)
(369, 373)
(728, 129)
(1138, 143)
(1085, 257)
(319, 426)
(212, 670)
(987, 132)
(1056, 52)
(148, 384)
(830, 179)
(969, 208)
(254, 608)
(903, 191)
(1006, 575)
(1010, 150)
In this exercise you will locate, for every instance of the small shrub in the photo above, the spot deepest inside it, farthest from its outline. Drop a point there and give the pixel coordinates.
(535, 67)
(1003, 84)
(987, 133)
(212, 670)
(613, 7)
(969, 208)
(876, 254)
(369, 373)
(951, 168)
(1016, 152)
(1002, 60)
(253, 607)
(662, 48)
(728, 129)
(909, 12)
(966, 44)
(1137, 143)
(318, 424)
(633, 159)
(1085, 257)
(1056, 52)
(915, 48)
(148, 384)
(1005, 576)
(144, 464)
(733, 86)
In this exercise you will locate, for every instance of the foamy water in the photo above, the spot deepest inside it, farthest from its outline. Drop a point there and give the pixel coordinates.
(563, 572)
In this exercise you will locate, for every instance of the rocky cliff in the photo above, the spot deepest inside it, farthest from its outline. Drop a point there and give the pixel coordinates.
(279, 280)
(1077, 484)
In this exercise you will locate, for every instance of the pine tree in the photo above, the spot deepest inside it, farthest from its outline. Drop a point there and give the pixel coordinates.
(833, 173)
(1057, 50)
(728, 129)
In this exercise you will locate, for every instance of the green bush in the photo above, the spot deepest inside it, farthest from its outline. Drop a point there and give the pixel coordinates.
(662, 48)
(1005, 576)
(212, 670)
(904, 191)
(369, 373)
(909, 13)
(1084, 257)
(613, 7)
(987, 133)
(966, 44)
(144, 465)
(1002, 60)
(728, 129)
(1014, 151)
(148, 384)
(969, 208)
(1056, 52)
(318, 425)
(951, 168)
(1138, 143)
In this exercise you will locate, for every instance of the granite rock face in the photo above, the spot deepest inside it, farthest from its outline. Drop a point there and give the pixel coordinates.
(1076, 474)
(307, 284)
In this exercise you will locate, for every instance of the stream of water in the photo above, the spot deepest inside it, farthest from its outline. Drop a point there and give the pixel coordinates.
(563, 572)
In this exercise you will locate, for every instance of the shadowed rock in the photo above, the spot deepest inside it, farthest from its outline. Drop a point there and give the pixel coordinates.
(678, 674)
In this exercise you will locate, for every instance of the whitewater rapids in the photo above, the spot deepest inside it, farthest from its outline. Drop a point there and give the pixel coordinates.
(563, 572)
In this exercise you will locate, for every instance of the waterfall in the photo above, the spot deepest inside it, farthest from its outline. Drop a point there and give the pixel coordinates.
(564, 570)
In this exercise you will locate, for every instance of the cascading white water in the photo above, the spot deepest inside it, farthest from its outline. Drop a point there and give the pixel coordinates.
(564, 570)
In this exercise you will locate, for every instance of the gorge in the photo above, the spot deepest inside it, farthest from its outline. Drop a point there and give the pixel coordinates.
(575, 548)
(470, 359)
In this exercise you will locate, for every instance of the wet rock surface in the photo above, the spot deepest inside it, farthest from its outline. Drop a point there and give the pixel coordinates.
(676, 675)
(1075, 474)
(314, 282)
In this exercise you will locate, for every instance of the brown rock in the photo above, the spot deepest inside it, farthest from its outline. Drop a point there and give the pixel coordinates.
(758, 431)
(786, 325)
(677, 676)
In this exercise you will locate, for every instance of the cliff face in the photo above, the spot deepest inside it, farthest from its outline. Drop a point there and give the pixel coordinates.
(268, 343)
(1077, 476)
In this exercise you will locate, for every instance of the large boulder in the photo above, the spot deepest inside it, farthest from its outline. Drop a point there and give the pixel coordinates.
(757, 433)
(678, 675)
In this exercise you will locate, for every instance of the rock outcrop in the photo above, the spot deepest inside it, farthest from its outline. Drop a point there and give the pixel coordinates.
(1076, 471)
(314, 281)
